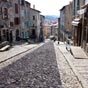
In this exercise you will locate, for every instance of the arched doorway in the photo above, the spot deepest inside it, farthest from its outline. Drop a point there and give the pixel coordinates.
(33, 33)
(17, 35)
(7, 35)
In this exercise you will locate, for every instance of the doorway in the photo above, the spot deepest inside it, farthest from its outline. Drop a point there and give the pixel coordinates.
(17, 35)
(33, 33)
(7, 35)
(11, 37)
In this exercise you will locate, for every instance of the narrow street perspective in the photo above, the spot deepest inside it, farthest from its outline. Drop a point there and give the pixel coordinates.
(43, 43)
(39, 69)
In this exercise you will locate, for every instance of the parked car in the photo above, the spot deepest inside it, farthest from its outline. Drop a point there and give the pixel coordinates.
(53, 38)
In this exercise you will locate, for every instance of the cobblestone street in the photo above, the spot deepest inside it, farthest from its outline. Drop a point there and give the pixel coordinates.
(39, 69)
(35, 70)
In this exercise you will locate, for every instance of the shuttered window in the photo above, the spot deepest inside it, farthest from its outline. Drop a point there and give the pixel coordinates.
(16, 21)
(16, 8)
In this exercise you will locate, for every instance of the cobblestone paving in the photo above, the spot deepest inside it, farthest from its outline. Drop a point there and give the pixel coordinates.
(35, 70)
(68, 78)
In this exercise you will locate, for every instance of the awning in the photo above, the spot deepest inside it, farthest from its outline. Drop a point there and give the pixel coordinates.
(74, 23)
(82, 11)
(77, 19)
(84, 6)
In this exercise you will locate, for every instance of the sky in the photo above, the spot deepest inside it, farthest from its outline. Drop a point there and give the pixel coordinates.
(49, 7)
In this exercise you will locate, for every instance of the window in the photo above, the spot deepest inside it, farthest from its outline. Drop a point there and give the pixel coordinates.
(0, 12)
(22, 2)
(11, 24)
(33, 17)
(4, 33)
(23, 24)
(1, 26)
(5, 13)
(22, 13)
(28, 24)
(33, 25)
(16, 21)
(16, 8)
(78, 4)
(27, 5)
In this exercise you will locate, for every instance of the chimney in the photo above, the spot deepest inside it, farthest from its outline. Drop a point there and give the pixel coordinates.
(33, 6)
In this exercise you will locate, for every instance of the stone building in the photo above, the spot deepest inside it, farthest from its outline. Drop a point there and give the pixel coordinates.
(11, 23)
(77, 22)
(54, 29)
(68, 20)
(19, 21)
(84, 37)
(6, 23)
(47, 30)
(65, 21)
(13, 26)
(35, 24)
(62, 23)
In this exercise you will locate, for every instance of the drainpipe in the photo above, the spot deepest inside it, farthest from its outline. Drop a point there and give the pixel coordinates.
(82, 31)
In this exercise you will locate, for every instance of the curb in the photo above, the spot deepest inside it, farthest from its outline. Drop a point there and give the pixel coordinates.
(78, 76)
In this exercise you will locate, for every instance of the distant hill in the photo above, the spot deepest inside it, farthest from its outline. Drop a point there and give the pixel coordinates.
(51, 18)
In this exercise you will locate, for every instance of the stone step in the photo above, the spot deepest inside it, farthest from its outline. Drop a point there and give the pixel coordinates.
(78, 52)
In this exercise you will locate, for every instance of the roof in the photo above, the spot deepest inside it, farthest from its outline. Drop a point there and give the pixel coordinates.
(36, 10)
(63, 7)
(28, 2)
(42, 16)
